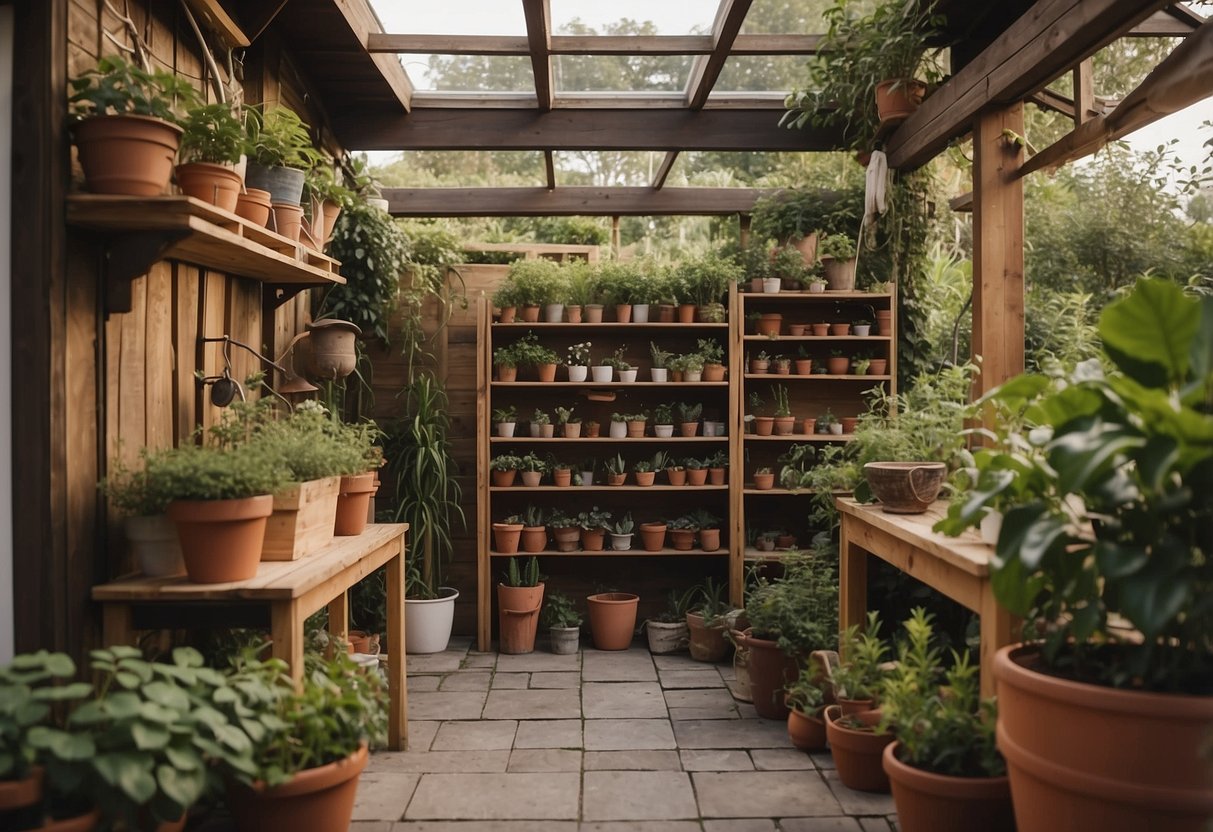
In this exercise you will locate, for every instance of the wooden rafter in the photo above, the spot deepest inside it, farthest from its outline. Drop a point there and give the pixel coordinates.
(447, 44)
(362, 22)
(549, 168)
(564, 202)
(538, 15)
(1047, 40)
(775, 45)
(639, 128)
(1176, 21)
(663, 171)
(706, 69)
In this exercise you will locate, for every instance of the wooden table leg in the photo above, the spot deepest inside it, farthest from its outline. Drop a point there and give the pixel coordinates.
(852, 580)
(998, 629)
(339, 617)
(117, 625)
(286, 629)
(398, 709)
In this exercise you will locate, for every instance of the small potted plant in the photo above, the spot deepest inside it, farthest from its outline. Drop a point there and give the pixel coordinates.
(820, 330)
(563, 620)
(505, 420)
(280, 155)
(660, 372)
(507, 533)
(692, 368)
(688, 418)
(837, 253)
(652, 535)
(717, 468)
(861, 328)
(565, 530)
(619, 426)
(837, 364)
(569, 423)
(667, 632)
(587, 471)
(621, 533)
(593, 529)
(151, 535)
(803, 361)
(625, 371)
(519, 599)
(505, 300)
(772, 285)
(764, 478)
(644, 473)
(636, 424)
(534, 530)
(840, 329)
(602, 373)
(578, 361)
(783, 365)
(675, 472)
(617, 470)
(817, 286)
(712, 355)
(706, 622)
(541, 425)
(505, 359)
(857, 738)
(760, 364)
(682, 533)
(504, 468)
(806, 701)
(532, 468)
(663, 421)
(708, 527)
(562, 474)
(697, 471)
(592, 429)
(860, 366)
(213, 142)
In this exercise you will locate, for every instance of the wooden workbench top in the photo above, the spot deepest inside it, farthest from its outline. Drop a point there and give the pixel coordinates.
(966, 552)
(275, 580)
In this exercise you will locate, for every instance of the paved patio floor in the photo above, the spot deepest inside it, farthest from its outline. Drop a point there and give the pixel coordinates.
(597, 741)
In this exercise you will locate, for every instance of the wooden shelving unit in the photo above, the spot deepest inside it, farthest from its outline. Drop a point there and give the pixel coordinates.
(809, 396)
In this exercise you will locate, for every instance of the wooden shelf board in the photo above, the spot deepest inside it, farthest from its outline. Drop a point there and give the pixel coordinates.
(800, 437)
(757, 555)
(818, 377)
(606, 439)
(578, 384)
(768, 339)
(605, 325)
(688, 488)
(213, 238)
(635, 551)
(750, 489)
(819, 296)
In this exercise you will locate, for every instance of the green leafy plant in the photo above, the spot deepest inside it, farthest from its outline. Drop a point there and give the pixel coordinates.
(277, 137)
(620, 281)
(581, 286)
(375, 254)
(525, 575)
(529, 351)
(805, 694)
(705, 280)
(30, 687)
(194, 472)
(711, 351)
(564, 416)
(616, 465)
(688, 412)
(505, 462)
(788, 263)
(212, 133)
(541, 418)
(593, 519)
(537, 282)
(663, 414)
(559, 610)
(790, 214)
(623, 525)
(617, 360)
(662, 460)
(323, 183)
(507, 414)
(704, 519)
(799, 610)
(710, 601)
(313, 444)
(694, 463)
(661, 358)
(532, 462)
(838, 246)
(860, 674)
(117, 87)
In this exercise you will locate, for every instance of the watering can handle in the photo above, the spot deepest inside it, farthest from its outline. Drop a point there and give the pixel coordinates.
(914, 488)
(531, 611)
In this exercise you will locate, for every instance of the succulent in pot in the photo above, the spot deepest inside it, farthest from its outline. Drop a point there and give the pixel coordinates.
(519, 599)
(213, 142)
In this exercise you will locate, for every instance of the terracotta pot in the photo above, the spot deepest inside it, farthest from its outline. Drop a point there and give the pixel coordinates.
(534, 539)
(617, 479)
(682, 539)
(127, 154)
(676, 476)
(332, 353)
(804, 366)
(518, 617)
(508, 314)
(850, 707)
(623, 313)
(707, 644)
(567, 538)
(360, 641)
(807, 732)
(820, 330)
(573, 313)
(840, 329)
(593, 540)
(797, 330)
(506, 537)
(784, 425)
(806, 245)
(221, 539)
(758, 366)
(353, 500)
(709, 539)
(764, 425)
(676, 375)
(688, 428)
(770, 671)
(713, 372)
(770, 324)
(546, 372)
(857, 754)
(764, 482)
(645, 478)
(593, 313)
(591, 429)
(17, 794)
(905, 487)
(562, 477)
(810, 426)
(652, 536)
(929, 802)
(1085, 757)
(314, 800)
(288, 220)
(884, 321)
(332, 210)
(215, 184)
(507, 373)
(686, 313)
(785, 541)
(612, 619)
(838, 365)
(530, 314)
(697, 476)
(254, 205)
(635, 428)
(878, 367)
(899, 97)
(849, 423)
(783, 368)
(665, 313)
(717, 476)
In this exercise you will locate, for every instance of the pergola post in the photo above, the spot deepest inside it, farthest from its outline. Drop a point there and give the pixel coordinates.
(998, 313)
(615, 245)
(743, 224)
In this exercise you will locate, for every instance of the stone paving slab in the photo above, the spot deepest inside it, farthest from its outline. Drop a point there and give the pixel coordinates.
(511, 681)
(384, 795)
(739, 733)
(632, 761)
(549, 733)
(632, 665)
(617, 700)
(641, 826)
(479, 735)
(441, 704)
(735, 794)
(445, 662)
(627, 734)
(859, 803)
(690, 679)
(637, 795)
(716, 760)
(680, 661)
(483, 826)
(442, 761)
(781, 759)
(417, 684)
(371, 826)
(533, 704)
(544, 759)
(496, 796)
(421, 734)
(485, 660)
(558, 679)
(838, 824)
(740, 825)
(476, 680)
(538, 662)
(875, 825)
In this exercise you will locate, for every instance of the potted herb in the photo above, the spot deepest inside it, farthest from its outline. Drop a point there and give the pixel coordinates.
(563, 620)
(644, 473)
(706, 622)
(667, 632)
(536, 283)
(659, 372)
(712, 354)
(837, 364)
(532, 469)
(806, 701)
(764, 478)
(570, 424)
(565, 530)
(593, 528)
(528, 351)
(717, 468)
(692, 367)
(616, 470)
(706, 281)
(504, 468)
(784, 422)
(612, 619)
(579, 289)
(625, 371)
(541, 425)
(682, 533)
(861, 328)
(760, 364)
(837, 253)
(621, 533)
(620, 282)
(280, 155)
(505, 299)
(562, 474)
(1104, 482)
(663, 421)
(578, 361)
(507, 533)
(688, 418)
(636, 424)
(853, 727)
(697, 471)
(505, 359)
(152, 536)
(127, 126)
(213, 142)
(519, 598)
(505, 420)
(708, 527)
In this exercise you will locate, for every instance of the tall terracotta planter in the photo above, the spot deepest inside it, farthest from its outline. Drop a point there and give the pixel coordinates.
(1084, 757)
(518, 617)
(858, 754)
(929, 802)
(221, 539)
(127, 154)
(771, 670)
(707, 644)
(315, 800)
(353, 500)
(612, 619)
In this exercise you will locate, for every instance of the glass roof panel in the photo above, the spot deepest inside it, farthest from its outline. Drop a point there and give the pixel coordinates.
(462, 169)
(606, 168)
(451, 17)
(628, 73)
(750, 73)
(621, 17)
(785, 17)
(470, 73)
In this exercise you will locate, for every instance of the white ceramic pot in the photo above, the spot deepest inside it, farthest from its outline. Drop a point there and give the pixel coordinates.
(665, 637)
(553, 313)
(709, 428)
(618, 430)
(861, 330)
(693, 375)
(587, 478)
(536, 430)
(991, 526)
(628, 376)
(640, 313)
(836, 428)
(506, 429)
(663, 431)
(565, 640)
(817, 288)
(578, 373)
(771, 285)
(427, 624)
(155, 545)
(621, 542)
(660, 375)
(720, 429)
(602, 374)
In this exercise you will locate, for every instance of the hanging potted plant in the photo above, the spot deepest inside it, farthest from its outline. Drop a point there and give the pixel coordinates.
(213, 142)
(152, 537)
(126, 126)
(519, 598)
(1103, 481)
(612, 619)
(280, 155)
(667, 633)
(706, 622)
(563, 620)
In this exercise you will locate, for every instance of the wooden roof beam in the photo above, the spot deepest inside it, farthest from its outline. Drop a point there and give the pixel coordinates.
(570, 202)
(362, 22)
(447, 44)
(1176, 21)
(538, 15)
(664, 170)
(706, 69)
(638, 128)
(1046, 41)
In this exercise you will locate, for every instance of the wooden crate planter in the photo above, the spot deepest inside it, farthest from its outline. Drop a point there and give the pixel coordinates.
(302, 521)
